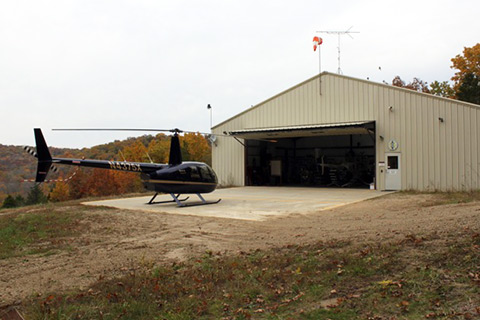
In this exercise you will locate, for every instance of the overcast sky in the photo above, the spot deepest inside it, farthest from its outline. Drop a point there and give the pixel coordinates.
(157, 64)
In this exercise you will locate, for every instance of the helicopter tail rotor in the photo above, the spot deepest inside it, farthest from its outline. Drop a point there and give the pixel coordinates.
(43, 155)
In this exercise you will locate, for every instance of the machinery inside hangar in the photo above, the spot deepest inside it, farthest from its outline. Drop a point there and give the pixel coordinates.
(333, 155)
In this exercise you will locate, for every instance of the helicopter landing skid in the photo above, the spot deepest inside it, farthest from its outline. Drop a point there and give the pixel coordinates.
(168, 201)
(182, 205)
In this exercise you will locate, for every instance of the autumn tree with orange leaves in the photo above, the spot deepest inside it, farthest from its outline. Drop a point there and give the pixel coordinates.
(159, 148)
(61, 192)
(415, 85)
(467, 78)
(195, 147)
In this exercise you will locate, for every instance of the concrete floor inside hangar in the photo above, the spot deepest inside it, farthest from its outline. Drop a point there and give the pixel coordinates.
(250, 203)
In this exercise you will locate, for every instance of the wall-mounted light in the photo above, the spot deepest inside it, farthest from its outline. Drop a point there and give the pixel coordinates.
(381, 137)
(390, 108)
(441, 119)
(213, 139)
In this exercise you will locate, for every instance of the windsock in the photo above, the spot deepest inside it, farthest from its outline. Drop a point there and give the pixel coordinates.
(317, 41)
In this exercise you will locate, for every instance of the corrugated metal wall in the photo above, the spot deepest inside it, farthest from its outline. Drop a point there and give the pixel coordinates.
(435, 155)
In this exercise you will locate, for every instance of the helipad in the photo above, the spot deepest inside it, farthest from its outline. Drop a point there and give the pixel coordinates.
(251, 203)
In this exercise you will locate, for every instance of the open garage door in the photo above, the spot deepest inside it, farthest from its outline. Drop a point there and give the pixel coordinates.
(324, 155)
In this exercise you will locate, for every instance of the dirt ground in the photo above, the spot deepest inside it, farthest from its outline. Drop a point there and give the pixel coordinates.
(118, 240)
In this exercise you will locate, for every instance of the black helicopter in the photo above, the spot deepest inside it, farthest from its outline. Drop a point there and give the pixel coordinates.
(174, 178)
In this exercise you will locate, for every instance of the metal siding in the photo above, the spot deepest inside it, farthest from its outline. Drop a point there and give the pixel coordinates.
(418, 146)
(381, 128)
(407, 157)
(436, 146)
(338, 101)
(425, 141)
(434, 155)
(442, 137)
(431, 181)
(403, 133)
(468, 151)
(473, 146)
(461, 149)
(329, 106)
(454, 140)
(448, 142)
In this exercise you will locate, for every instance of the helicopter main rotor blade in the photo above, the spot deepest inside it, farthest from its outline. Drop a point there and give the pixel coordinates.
(119, 129)
(176, 130)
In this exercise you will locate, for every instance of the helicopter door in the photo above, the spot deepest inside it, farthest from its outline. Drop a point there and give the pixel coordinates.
(393, 177)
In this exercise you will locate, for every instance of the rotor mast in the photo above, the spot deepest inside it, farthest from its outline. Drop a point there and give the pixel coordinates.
(340, 33)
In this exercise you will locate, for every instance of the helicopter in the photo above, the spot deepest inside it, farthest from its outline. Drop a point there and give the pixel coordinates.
(174, 178)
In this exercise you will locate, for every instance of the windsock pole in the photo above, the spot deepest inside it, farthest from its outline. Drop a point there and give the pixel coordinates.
(317, 41)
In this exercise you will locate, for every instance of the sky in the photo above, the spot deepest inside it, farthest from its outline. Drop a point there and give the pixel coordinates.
(158, 64)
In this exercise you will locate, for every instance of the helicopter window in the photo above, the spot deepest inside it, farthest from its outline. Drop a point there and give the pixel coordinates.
(205, 173)
(182, 172)
(212, 174)
(194, 173)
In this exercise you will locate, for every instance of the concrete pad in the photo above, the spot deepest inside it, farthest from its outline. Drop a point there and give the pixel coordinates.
(251, 203)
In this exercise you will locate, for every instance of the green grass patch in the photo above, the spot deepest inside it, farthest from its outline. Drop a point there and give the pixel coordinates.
(420, 277)
(39, 230)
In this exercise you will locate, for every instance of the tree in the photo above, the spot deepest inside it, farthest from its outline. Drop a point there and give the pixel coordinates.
(20, 201)
(79, 184)
(9, 202)
(61, 192)
(127, 182)
(398, 82)
(195, 147)
(469, 89)
(415, 85)
(137, 152)
(442, 89)
(159, 148)
(36, 195)
(467, 78)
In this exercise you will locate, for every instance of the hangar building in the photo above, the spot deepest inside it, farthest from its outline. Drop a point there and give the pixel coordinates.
(337, 131)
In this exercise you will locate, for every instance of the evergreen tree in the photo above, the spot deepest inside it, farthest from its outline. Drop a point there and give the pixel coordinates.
(469, 89)
(36, 196)
(9, 202)
(20, 201)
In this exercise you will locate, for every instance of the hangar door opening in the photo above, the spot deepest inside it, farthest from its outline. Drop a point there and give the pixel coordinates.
(328, 155)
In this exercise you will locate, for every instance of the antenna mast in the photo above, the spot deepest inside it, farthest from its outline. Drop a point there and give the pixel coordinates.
(340, 33)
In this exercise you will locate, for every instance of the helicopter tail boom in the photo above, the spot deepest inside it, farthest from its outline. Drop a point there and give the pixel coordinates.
(43, 155)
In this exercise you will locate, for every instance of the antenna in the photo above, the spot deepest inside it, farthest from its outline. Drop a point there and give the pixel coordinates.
(151, 161)
(125, 160)
(340, 33)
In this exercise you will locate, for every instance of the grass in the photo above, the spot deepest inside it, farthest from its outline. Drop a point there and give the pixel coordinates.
(36, 230)
(419, 277)
(445, 198)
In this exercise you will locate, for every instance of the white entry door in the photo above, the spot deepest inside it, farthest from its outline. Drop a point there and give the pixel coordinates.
(393, 176)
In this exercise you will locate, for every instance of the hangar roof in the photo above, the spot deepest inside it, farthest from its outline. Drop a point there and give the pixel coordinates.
(391, 87)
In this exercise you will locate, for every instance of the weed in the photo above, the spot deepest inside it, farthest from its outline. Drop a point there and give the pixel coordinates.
(42, 230)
